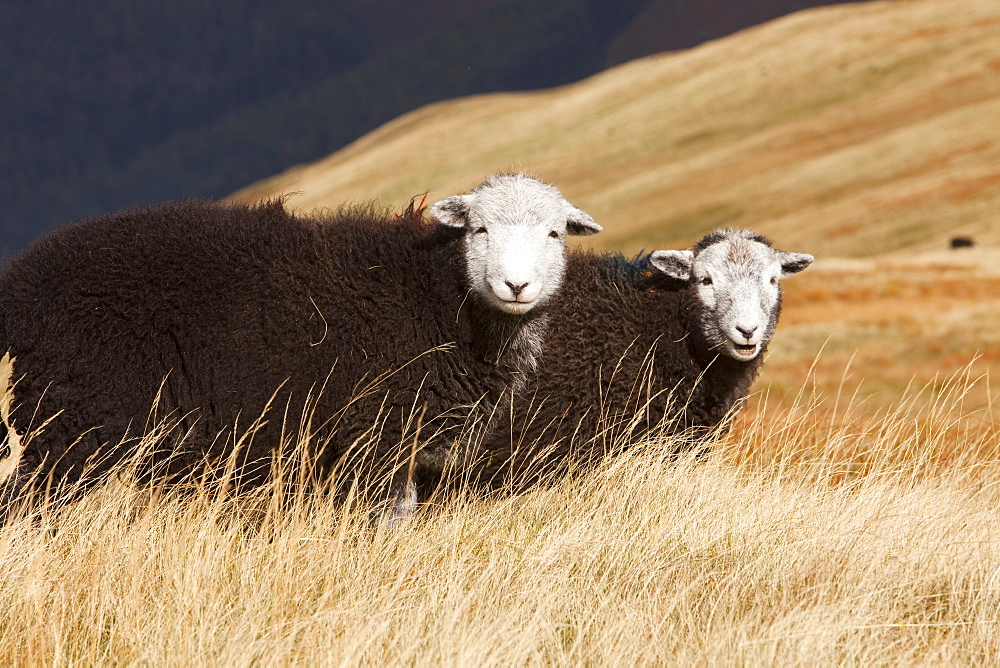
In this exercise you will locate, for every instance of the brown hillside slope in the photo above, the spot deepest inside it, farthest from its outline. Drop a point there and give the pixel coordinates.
(852, 130)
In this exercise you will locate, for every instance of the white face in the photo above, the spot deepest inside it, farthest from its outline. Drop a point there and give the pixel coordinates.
(515, 240)
(737, 280)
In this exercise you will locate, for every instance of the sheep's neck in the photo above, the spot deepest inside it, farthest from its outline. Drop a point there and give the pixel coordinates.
(512, 343)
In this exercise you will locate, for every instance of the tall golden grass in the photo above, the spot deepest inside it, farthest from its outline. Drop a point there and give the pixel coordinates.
(815, 531)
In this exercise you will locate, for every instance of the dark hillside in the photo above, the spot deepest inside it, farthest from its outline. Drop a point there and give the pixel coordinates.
(88, 86)
(670, 25)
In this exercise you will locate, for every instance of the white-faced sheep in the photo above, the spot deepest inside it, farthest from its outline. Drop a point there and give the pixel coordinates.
(673, 337)
(228, 312)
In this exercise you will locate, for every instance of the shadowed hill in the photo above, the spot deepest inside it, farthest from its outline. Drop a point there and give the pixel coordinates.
(856, 129)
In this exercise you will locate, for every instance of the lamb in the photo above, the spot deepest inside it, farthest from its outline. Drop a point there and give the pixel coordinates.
(348, 327)
(673, 337)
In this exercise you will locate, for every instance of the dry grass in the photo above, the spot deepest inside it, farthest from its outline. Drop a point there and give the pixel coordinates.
(801, 539)
(847, 130)
(882, 325)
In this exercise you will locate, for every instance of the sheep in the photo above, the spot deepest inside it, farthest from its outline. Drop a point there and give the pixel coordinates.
(223, 313)
(672, 339)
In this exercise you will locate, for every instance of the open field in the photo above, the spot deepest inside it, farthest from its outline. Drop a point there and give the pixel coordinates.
(889, 323)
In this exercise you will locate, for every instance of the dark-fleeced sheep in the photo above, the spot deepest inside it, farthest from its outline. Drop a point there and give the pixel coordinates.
(671, 339)
(227, 312)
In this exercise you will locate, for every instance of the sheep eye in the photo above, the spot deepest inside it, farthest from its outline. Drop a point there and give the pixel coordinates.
(554, 234)
(480, 230)
(707, 280)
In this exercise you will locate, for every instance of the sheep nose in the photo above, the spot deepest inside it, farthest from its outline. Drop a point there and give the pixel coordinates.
(516, 289)
(746, 331)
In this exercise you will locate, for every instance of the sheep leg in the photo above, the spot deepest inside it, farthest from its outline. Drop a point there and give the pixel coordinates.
(400, 504)
(404, 503)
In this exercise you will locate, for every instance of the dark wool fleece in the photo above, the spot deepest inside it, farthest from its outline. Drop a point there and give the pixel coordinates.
(224, 306)
(623, 340)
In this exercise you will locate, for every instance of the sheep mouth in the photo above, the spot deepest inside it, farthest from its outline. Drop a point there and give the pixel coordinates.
(745, 349)
(515, 307)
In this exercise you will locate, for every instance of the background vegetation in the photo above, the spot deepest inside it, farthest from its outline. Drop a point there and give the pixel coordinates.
(855, 131)
(110, 105)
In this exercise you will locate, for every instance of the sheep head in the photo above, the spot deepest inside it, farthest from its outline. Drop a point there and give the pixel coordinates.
(515, 239)
(736, 275)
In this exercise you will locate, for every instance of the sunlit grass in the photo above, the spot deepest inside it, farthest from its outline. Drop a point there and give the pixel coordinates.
(814, 533)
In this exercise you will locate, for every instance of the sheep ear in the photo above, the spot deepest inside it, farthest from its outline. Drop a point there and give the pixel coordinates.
(578, 223)
(793, 263)
(674, 263)
(454, 211)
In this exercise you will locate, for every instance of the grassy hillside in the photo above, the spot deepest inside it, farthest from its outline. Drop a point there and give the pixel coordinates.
(849, 130)
(875, 329)
(849, 517)
(114, 105)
